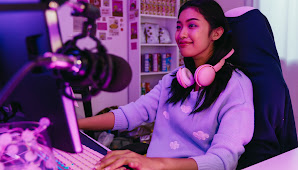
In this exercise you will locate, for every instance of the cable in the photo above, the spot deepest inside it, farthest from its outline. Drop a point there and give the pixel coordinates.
(15, 80)
(18, 77)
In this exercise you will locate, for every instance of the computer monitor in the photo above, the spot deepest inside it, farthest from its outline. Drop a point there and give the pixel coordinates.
(27, 32)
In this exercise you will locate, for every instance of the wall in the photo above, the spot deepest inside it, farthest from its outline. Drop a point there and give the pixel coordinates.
(290, 72)
(285, 35)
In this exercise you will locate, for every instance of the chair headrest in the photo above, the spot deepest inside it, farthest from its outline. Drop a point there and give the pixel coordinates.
(235, 12)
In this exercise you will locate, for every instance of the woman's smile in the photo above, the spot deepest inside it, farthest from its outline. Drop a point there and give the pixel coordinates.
(183, 44)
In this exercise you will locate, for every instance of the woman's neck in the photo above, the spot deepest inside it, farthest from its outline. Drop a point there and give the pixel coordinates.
(203, 58)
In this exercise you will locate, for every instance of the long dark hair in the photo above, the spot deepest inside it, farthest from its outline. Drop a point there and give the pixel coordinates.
(214, 15)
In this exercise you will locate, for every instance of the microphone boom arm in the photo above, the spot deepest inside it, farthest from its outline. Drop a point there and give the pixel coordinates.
(89, 29)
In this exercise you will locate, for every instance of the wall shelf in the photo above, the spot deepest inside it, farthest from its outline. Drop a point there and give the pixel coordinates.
(137, 47)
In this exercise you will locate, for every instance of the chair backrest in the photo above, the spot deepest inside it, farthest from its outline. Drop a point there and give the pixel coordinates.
(255, 50)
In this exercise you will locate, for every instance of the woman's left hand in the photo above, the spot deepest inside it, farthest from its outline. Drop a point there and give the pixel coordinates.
(117, 159)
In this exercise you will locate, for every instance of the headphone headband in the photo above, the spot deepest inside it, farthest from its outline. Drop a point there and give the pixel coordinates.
(229, 54)
(219, 65)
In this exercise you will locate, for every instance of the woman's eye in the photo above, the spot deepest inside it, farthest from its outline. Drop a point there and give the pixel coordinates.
(192, 25)
(178, 27)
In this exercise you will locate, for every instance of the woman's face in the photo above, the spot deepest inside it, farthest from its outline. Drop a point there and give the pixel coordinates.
(192, 35)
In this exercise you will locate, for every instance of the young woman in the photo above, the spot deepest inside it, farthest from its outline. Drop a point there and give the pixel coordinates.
(200, 123)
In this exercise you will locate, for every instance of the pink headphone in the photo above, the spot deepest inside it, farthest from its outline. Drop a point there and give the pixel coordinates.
(204, 74)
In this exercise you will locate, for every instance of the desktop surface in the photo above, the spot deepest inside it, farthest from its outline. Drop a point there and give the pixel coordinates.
(287, 161)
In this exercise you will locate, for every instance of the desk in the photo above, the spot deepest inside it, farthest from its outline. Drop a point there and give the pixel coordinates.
(285, 161)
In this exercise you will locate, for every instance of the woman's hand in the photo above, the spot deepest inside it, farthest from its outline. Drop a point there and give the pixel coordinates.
(116, 160)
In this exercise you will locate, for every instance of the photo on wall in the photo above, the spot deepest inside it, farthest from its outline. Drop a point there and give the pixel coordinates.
(117, 8)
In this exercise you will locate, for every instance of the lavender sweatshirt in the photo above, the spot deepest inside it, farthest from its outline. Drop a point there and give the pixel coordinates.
(214, 137)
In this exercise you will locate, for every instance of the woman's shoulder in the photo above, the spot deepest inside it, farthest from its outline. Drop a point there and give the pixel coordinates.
(238, 91)
(239, 85)
(240, 77)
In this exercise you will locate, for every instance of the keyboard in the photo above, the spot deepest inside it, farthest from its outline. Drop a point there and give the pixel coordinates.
(76, 161)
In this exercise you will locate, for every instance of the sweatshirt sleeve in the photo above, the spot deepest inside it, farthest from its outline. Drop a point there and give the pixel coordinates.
(135, 113)
(236, 126)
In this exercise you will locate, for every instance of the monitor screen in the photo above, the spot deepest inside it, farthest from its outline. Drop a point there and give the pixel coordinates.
(26, 34)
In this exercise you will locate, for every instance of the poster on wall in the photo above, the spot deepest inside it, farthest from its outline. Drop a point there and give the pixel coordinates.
(102, 36)
(134, 30)
(133, 11)
(134, 46)
(96, 3)
(132, 5)
(117, 8)
(105, 12)
(106, 3)
(113, 26)
(102, 26)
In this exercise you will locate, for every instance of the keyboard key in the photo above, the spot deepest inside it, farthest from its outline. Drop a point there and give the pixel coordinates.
(74, 161)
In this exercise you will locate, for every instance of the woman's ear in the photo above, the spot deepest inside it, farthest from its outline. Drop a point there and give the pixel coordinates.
(216, 33)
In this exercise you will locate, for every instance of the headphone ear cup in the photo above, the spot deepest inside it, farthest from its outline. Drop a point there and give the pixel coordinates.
(204, 75)
(185, 77)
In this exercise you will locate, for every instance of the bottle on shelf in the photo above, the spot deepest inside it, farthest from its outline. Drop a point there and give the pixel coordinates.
(158, 7)
(156, 62)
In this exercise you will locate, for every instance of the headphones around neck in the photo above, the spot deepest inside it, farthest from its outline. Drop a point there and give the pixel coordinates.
(204, 75)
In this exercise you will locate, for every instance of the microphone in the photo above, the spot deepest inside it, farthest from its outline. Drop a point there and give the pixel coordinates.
(121, 74)
(89, 69)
